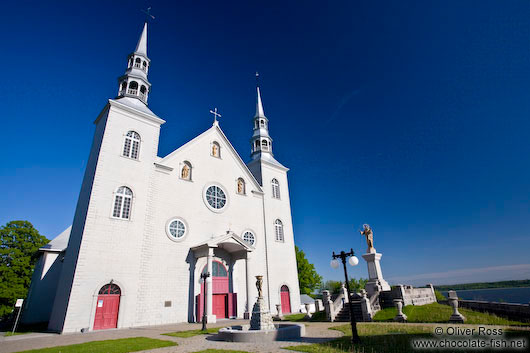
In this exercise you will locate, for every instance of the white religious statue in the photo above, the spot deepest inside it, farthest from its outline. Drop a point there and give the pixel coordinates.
(240, 187)
(369, 235)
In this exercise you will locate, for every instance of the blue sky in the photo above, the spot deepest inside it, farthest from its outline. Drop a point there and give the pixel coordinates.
(411, 116)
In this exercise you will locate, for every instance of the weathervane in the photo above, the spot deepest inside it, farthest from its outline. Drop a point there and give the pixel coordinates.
(215, 114)
(148, 14)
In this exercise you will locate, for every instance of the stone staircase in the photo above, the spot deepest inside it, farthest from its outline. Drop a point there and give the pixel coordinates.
(344, 314)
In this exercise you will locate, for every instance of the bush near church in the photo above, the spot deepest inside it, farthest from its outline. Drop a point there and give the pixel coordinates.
(19, 246)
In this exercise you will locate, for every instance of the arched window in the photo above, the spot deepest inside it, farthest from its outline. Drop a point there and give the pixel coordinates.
(123, 87)
(122, 203)
(143, 92)
(275, 188)
(133, 88)
(144, 66)
(264, 145)
(216, 149)
(131, 146)
(185, 172)
(249, 238)
(241, 186)
(218, 269)
(110, 288)
(278, 230)
(257, 145)
(262, 123)
(138, 63)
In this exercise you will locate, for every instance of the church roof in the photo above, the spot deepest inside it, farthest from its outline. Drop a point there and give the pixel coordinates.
(138, 106)
(141, 47)
(216, 127)
(59, 243)
(230, 241)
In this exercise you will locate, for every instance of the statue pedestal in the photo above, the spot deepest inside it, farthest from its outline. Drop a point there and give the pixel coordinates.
(376, 282)
(261, 318)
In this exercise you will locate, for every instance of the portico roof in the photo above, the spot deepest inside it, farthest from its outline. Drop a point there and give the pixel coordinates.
(230, 242)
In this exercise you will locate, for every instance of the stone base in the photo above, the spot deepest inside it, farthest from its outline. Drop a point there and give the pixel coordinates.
(211, 319)
(400, 318)
(457, 319)
(261, 317)
(281, 332)
(376, 282)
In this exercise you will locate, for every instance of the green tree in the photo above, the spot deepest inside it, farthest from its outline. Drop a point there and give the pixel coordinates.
(357, 284)
(19, 245)
(308, 278)
(332, 286)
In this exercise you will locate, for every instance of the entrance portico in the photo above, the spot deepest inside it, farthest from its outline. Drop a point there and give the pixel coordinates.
(233, 246)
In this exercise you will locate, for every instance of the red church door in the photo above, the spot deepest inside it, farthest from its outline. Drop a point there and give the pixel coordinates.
(107, 307)
(219, 305)
(285, 299)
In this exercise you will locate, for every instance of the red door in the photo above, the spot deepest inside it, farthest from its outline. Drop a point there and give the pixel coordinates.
(219, 305)
(107, 312)
(285, 299)
(107, 307)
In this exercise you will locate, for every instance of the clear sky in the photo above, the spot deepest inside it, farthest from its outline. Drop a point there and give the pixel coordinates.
(412, 116)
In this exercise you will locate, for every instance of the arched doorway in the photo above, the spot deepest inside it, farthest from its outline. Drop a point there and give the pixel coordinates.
(224, 303)
(107, 307)
(285, 299)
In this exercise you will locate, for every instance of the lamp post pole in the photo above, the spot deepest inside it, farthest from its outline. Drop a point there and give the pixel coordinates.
(342, 255)
(203, 278)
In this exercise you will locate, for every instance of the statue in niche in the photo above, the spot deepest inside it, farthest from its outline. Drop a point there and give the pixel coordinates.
(240, 186)
(185, 172)
(215, 150)
(369, 235)
(259, 286)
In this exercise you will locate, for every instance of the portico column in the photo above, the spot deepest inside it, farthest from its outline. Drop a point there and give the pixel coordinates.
(246, 315)
(210, 318)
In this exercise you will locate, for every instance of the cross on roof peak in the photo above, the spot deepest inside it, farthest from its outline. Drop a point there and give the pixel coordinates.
(215, 115)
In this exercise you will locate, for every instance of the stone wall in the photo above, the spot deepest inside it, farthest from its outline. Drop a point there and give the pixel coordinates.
(520, 312)
(409, 294)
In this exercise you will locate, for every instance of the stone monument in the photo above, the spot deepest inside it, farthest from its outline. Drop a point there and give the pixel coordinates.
(376, 282)
(261, 318)
(400, 316)
(456, 318)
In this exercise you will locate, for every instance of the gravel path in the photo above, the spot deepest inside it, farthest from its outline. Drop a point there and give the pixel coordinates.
(315, 332)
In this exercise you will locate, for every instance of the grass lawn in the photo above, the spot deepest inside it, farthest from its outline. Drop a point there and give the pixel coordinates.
(318, 316)
(381, 338)
(123, 345)
(10, 333)
(191, 333)
(440, 313)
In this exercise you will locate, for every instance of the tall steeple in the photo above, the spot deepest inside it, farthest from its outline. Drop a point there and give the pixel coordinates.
(261, 142)
(134, 82)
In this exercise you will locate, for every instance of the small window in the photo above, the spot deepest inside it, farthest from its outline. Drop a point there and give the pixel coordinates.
(262, 123)
(138, 63)
(185, 172)
(241, 186)
(278, 229)
(131, 146)
(176, 229)
(216, 149)
(122, 203)
(275, 188)
(264, 145)
(249, 238)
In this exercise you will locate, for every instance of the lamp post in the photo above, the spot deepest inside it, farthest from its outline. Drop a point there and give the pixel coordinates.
(204, 275)
(353, 261)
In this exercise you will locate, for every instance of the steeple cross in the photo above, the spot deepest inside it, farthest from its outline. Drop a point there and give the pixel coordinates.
(215, 114)
(148, 14)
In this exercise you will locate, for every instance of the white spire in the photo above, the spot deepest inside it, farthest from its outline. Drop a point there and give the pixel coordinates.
(259, 106)
(141, 47)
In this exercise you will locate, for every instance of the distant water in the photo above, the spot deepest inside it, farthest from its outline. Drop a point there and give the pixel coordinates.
(507, 295)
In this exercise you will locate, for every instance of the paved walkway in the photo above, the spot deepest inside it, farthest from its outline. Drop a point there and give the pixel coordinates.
(315, 332)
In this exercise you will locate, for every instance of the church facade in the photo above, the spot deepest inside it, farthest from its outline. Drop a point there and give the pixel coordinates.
(147, 227)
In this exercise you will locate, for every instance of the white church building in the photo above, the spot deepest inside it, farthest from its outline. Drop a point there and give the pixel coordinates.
(146, 227)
